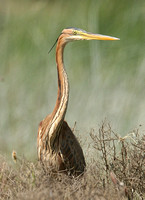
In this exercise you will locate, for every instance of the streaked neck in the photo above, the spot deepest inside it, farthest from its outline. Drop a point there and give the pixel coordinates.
(59, 111)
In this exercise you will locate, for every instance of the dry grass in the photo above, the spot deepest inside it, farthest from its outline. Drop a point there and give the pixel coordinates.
(117, 173)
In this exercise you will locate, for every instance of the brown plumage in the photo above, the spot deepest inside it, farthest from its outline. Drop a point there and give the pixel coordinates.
(57, 146)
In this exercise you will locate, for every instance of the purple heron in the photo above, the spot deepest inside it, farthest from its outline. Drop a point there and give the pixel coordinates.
(57, 146)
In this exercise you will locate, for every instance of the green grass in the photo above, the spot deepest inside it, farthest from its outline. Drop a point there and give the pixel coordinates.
(106, 78)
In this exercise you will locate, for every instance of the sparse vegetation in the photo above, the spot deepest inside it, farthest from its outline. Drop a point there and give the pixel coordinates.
(117, 173)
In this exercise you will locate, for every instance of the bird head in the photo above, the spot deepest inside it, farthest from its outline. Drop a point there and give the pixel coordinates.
(71, 34)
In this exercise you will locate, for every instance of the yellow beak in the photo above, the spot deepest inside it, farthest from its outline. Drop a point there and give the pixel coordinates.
(92, 36)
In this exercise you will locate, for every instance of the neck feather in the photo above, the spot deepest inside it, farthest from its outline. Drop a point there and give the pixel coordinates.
(59, 111)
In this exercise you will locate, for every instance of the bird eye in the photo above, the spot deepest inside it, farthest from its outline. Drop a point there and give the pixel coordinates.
(75, 32)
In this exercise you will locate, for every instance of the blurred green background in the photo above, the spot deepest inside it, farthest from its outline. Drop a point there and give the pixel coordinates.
(107, 78)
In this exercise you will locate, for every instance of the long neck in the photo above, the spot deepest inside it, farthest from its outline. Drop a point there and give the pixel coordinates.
(59, 111)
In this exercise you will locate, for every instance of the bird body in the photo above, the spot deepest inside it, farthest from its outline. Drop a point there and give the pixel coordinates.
(57, 146)
(66, 154)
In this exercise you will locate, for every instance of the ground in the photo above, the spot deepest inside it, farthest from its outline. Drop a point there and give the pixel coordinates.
(115, 173)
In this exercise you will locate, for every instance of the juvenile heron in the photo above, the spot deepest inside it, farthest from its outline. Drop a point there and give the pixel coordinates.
(57, 146)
